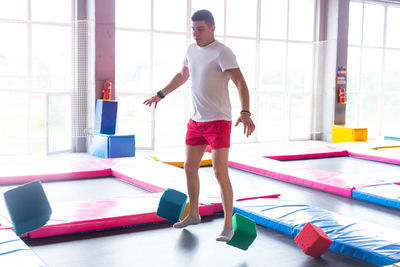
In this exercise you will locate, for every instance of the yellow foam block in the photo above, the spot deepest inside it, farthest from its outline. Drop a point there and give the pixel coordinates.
(185, 211)
(340, 133)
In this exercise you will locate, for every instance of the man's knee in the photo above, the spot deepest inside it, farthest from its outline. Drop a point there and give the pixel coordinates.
(190, 169)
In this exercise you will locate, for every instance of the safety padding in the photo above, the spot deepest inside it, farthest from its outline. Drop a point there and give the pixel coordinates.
(172, 204)
(392, 138)
(28, 207)
(313, 241)
(106, 117)
(14, 252)
(365, 241)
(113, 146)
(386, 194)
(244, 232)
(340, 133)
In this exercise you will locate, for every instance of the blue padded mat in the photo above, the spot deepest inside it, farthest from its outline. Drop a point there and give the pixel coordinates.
(386, 194)
(14, 252)
(365, 241)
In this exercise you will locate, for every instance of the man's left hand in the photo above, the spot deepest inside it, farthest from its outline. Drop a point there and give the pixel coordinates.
(248, 125)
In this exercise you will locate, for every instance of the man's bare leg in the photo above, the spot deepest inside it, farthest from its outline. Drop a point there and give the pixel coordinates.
(194, 154)
(220, 165)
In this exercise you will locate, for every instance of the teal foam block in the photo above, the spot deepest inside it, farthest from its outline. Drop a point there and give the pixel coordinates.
(106, 117)
(28, 207)
(244, 232)
(172, 204)
(112, 146)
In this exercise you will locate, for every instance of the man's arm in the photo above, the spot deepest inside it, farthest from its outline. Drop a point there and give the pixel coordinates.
(179, 79)
(238, 79)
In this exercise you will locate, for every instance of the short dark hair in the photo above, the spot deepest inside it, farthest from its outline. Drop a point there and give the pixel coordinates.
(205, 15)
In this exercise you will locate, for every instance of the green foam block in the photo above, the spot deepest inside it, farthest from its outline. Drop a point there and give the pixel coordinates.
(244, 232)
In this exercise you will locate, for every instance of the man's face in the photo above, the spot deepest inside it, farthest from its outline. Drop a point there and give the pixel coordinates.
(202, 33)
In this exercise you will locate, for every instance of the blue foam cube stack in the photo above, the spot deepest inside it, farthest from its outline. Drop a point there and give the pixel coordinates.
(172, 204)
(105, 143)
(106, 116)
(113, 146)
(28, 207)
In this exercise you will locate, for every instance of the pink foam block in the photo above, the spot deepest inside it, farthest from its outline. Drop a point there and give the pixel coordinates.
(313, 241)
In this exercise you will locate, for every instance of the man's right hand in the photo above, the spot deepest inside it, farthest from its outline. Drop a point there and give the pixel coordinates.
(154, 99)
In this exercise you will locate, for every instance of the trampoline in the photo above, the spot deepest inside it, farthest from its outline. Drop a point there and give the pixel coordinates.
(327, 168)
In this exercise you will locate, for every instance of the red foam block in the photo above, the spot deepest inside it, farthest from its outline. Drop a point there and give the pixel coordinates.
(313, 241)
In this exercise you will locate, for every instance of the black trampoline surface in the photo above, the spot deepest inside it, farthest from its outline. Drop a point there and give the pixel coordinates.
(349, 165)
(84, 189)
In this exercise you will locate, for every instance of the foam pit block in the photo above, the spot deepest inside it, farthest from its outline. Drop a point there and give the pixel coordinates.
(172, 204)
(313, 241)
(106, 116)
(244, 232)
(113, 146)
(28, 207)
(185, 212)
(340, 133)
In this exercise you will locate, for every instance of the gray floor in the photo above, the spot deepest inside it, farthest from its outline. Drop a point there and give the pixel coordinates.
(162, 245)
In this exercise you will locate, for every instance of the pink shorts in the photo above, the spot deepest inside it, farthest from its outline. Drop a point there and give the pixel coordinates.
(215, 133)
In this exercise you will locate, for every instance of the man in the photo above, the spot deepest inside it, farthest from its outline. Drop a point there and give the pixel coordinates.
(210, 65)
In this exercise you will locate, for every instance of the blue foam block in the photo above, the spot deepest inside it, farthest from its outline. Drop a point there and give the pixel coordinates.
(386, 194)
(172, 204)
(112, 146)
(365, 241)
(28, 207)
(106, 116)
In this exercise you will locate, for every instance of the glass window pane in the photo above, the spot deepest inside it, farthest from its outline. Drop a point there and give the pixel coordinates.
(271, 123)
(135, 118)
(170, 15)
(353, 69)
(52, 10)
(168, 59)
(352, 109)
(216, 7)
(38, 123)
(245, 51)
(132, 66)
(16, 9)
(59, 124)
(301, 20)
(300, 67)
(392, 30)
(274, 19)
(241, 17)
(14, 128)
(355, 22)
(300, 117)
(133, 14)
(13, 56)
(373, 25)
(171, 120)
(371, 69)
(391, 111)
(272, 66)
(51, 58)
(369, 115)
(391, 76)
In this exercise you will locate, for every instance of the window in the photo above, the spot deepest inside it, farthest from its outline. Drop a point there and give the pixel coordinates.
(36, 76)
(373, 67)
(272, 40)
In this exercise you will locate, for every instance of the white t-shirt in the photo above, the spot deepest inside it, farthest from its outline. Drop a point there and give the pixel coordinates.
(209, 81)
